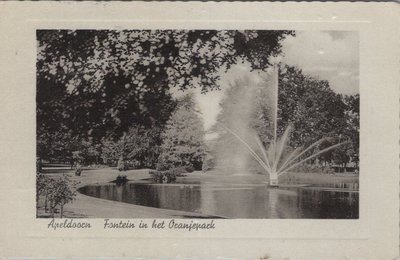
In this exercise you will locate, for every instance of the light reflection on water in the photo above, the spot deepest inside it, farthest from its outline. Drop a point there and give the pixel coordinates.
(237, 200)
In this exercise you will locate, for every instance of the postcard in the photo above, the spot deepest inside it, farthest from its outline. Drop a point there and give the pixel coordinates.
(171, 130)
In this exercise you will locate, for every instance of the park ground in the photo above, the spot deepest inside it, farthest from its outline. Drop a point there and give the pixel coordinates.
(90, 207)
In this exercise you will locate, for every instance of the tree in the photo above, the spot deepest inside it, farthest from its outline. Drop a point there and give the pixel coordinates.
(316, 112)
(60, 192)
(138, 146)
(56, 192)
(93, 84)
(310, 106)
(353, 125)
(178, 57)
(183, 137)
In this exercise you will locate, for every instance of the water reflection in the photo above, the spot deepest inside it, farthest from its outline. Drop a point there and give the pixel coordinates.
(337, 201)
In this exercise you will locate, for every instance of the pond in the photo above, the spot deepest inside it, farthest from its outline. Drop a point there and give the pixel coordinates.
(237, 200)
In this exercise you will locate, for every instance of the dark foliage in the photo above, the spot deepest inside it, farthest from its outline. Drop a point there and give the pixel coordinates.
(94, 85)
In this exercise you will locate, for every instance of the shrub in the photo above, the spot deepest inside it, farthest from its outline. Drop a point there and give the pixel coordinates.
(121, 179)
(57, 193)
(162, 166)
(163, 176)
(160, 176)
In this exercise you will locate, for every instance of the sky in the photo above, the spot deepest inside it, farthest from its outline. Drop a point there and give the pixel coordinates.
(326, 55)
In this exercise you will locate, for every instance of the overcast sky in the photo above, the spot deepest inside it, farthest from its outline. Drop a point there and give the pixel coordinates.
(328, 55)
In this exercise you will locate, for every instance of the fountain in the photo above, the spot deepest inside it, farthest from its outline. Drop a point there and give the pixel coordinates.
(233, 195)
(272, 159)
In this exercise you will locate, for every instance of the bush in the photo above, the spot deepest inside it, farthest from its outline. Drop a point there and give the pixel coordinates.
(121, 179)
(169, 175)
(56, 192)
(162, 166)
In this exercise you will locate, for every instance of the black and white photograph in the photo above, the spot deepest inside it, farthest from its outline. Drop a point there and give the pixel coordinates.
(201, 130)
(230, 124)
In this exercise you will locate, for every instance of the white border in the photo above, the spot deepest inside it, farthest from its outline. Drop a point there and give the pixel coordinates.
(373, 235)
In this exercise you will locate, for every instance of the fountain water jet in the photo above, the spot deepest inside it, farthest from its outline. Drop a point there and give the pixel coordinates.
(271, 158)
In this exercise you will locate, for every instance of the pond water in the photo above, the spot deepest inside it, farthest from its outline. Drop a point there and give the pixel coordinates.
(237, 200)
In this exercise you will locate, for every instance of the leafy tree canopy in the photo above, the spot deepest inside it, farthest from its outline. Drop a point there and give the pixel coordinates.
(177, 58)
(93, 84)
(183, 137)
(316, 111)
